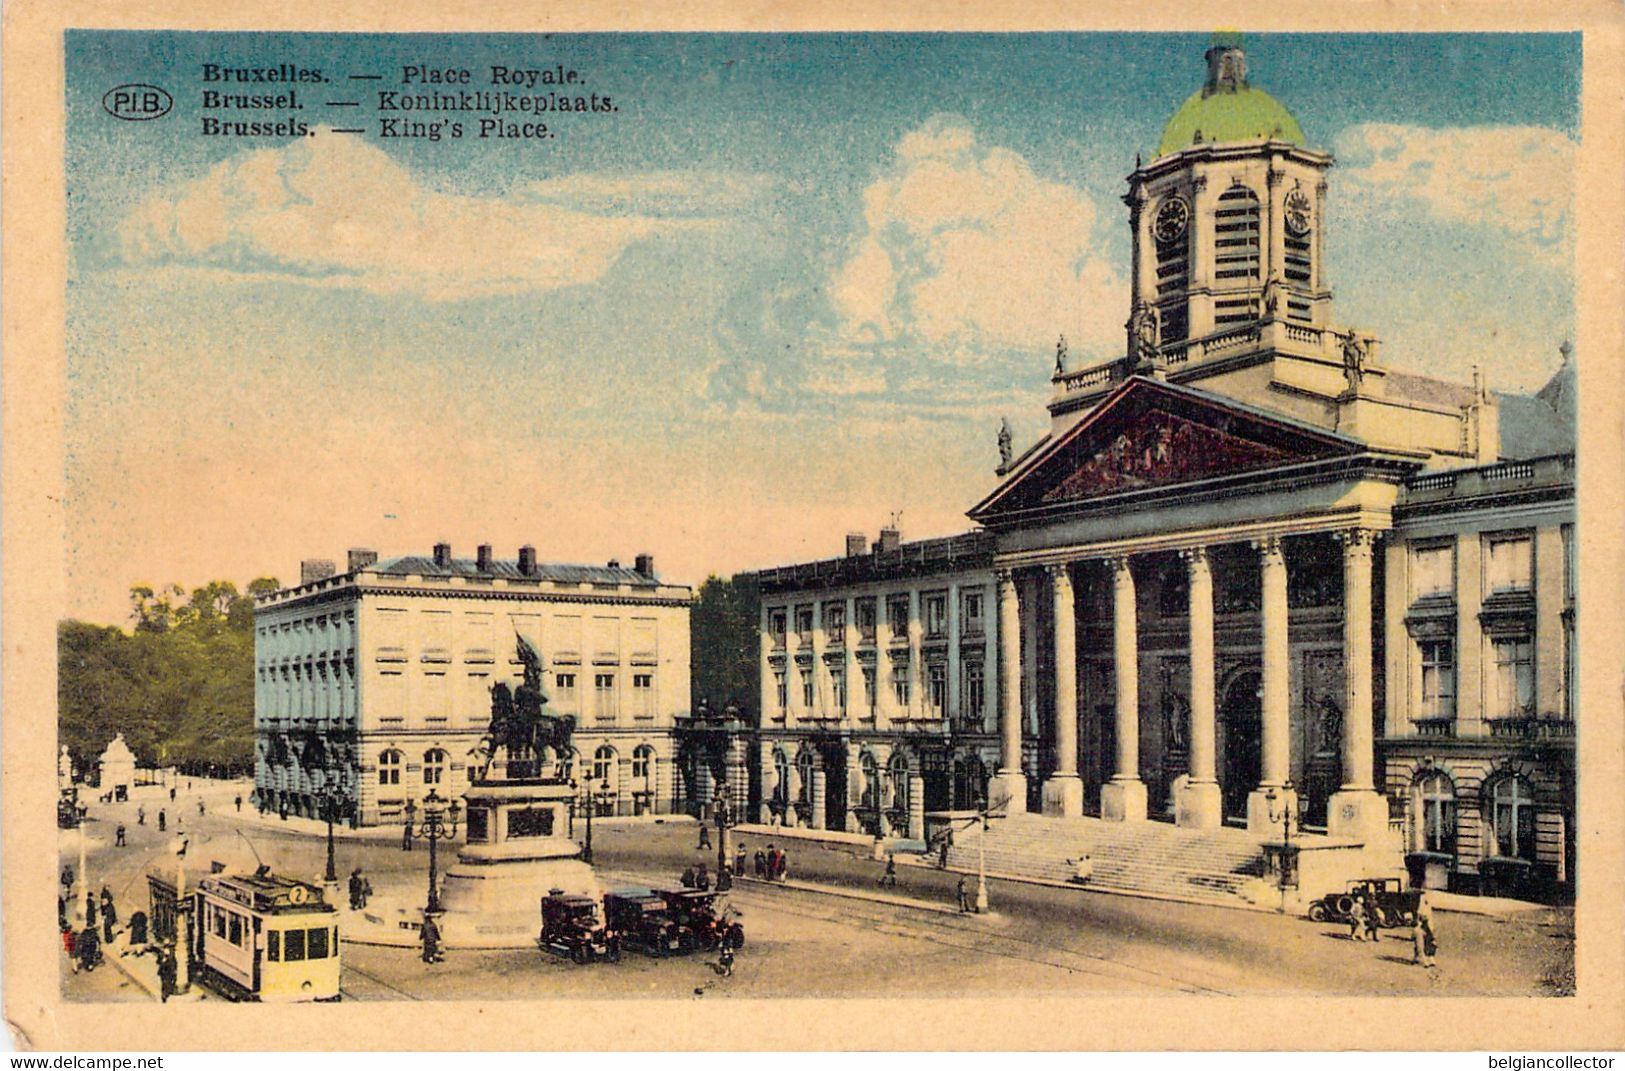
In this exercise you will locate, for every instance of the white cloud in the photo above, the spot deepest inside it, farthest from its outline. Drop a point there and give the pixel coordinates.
(334, 211)
(966, 253)
(1518, 179)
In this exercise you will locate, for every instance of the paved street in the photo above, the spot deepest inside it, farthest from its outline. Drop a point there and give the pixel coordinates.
(805, 943)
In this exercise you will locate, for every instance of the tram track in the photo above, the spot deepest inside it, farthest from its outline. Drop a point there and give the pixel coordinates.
(349, 993)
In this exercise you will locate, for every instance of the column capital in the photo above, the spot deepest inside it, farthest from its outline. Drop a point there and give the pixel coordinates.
(1059, 571)
(1268, 546)
(1004, 574)
(1356, 540)
(1120, 564)
(1194, 557)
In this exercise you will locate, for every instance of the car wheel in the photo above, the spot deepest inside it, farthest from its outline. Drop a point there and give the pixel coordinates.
(1317, 912)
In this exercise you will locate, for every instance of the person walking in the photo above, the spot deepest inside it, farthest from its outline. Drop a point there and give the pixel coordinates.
(739, 860)
(109, 914)
(140, 816)
(138, 929)
(944, 842)
(166, 975)
(90, 911)
(67, 879)
(70, 945)
(162, 820)
(1373, 920)
(355, 889)
(431, 940)
(61, 911)
(1423, 937)
(781, 869)
(118, 837)
(200, 806)
(705, 837)
(171, 793)
(1083, 869)
(760, 861)
(890, 876)
(961, 896)
(89, 949)
(239, 802)
(1357, 918)
(725, 960)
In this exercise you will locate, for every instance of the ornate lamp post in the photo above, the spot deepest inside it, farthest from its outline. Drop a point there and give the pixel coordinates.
(439, 822)
(591, 800)
(332, 809)
(720, 806)
(1285, 809)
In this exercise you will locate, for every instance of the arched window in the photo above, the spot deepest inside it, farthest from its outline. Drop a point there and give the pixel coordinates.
(1512, 817)
(804, 767)
(434, 766)
(871, 782)
(603, 766)
(389, 768)
(643, 764)
(897, 773)
(781, 775)
(567, 764)
(1436, 799)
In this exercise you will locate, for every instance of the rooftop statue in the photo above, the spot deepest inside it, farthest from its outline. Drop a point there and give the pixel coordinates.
(520, 726)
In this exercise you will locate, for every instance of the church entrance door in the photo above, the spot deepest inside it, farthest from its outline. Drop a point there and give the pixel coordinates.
(1242, 720)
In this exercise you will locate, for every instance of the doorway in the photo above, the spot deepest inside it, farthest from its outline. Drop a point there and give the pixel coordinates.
(1242, 719)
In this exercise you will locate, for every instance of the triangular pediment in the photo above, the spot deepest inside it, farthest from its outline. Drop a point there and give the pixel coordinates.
(1150, 434)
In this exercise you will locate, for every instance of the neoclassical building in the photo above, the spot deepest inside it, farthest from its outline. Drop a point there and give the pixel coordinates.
(1249, 561)
(374, 685)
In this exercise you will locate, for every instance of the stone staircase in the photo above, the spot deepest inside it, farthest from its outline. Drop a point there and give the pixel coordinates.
(1215, 866)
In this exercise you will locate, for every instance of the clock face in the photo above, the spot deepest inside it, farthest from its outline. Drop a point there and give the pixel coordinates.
(1172, 217)
(1297, 213)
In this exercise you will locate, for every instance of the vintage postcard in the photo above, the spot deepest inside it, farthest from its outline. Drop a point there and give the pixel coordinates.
(1051, 528)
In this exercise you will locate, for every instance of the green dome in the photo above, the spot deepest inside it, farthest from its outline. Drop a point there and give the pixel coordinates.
(1242, 114)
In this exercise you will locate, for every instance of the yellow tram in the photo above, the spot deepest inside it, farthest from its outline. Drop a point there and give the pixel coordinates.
(265, 937)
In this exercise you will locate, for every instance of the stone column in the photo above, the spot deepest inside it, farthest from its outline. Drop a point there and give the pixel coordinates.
(854, 789)
(1010, 781)
(1277, 742)
(663, 802)
(770, 783)
(916, 805)
(770, 699)
(791, 816)
(916, 667)
(1357, 810)
(849, 662)
(1123, 798)
(818, 798)
(992, 672)
(1200, 805)
(1063, 792)
(951, 710)
(1549, 592)
(885, 700)
(1469, 636)
(821, 696)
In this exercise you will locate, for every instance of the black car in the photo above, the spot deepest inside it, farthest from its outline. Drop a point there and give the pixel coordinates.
(571, 927)
(642, 920)
(1395, 905)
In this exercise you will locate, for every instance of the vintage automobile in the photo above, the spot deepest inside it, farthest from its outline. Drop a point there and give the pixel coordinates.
(571, 927)
(642, 920)
(700, 924)
(1395, 904)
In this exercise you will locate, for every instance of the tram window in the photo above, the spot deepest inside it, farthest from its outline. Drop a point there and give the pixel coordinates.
(316, 946)
(219, 923)
(294, 944)
(273, 945)
(236, 934)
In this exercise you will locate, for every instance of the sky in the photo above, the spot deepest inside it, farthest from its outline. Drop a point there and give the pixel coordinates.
(788, 286)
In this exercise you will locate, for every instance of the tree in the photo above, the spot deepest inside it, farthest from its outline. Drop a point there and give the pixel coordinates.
(723, 629)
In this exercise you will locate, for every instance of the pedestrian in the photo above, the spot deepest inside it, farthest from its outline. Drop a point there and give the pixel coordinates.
(200, 806)
(355, 889)
(89, 949)
(1083, 869)
(1357, 918)
(960, 895)
(140, 816)
(725, 960)
(702, 879)
(890, 876)
(688, 878)
(772, 862)
(67, 879)
(705, 837)
(61, 911)
(138, 929)
(760, 860)
(944, 842)
(406, 837)
(166, 975)
(1424, 940)
(431, 940)
(90, 911)
(725, 880)
(1373, 920)
(739, 860)
(162, 820)
(70, 945)
(366, 890)
(171, 793)
(781, 869)
(118, 836)
(109, 913)
(239, 802)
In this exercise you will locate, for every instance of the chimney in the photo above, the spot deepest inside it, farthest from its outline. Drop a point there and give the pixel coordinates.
(527, 560)
(483, 556)
(314, 569)
(361, 557)
(890, 540)
(855, 543)
(615, 563)
(442, 555)
(646, 565)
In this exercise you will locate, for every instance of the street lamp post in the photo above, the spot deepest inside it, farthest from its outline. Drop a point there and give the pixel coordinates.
(439, 822)
(330, 811)
(1284, 809)
(981, 864)
(721, 808)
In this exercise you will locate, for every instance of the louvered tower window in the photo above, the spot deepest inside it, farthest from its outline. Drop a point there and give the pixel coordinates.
(1299, 263)
(1173, 280)
(1236, 256)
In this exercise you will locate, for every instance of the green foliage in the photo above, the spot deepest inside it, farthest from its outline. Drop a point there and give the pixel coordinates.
(179, 685)
(724, 624)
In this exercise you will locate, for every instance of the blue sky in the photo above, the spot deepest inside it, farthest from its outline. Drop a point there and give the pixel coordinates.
(789, 287)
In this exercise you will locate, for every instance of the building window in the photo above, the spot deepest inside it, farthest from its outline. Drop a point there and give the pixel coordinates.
(781, 777)
(806, 688)
(1173, 275)
(775, 626)
(804, 621)
(973, 624)
(603, 688)
(1438, 679)
(868, 689)
(975, 691)
(642, 763)
(1514, 677)
(898, 771)
(1512, 818)
(864, 611)
(897, 616)
(567, 765)
(643, 694)
(1433, 571)
(1437, 794)
(899, 684)
(804, 768)
(837, 686)
(565, 689)
(603, 766)
(870, 799)
(389, 768)
(835, 622)
(1509, 565)
(434, 766)
(936, 675)
(936, 616)
(781, 696)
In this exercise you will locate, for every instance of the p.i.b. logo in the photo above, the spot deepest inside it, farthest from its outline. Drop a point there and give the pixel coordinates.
(137, 102)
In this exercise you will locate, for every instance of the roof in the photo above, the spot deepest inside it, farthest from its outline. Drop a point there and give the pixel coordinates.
(1532, 428)
(417, 565)
(1242, 114)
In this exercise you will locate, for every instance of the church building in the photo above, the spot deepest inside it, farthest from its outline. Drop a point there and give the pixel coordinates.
(1251, 564)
